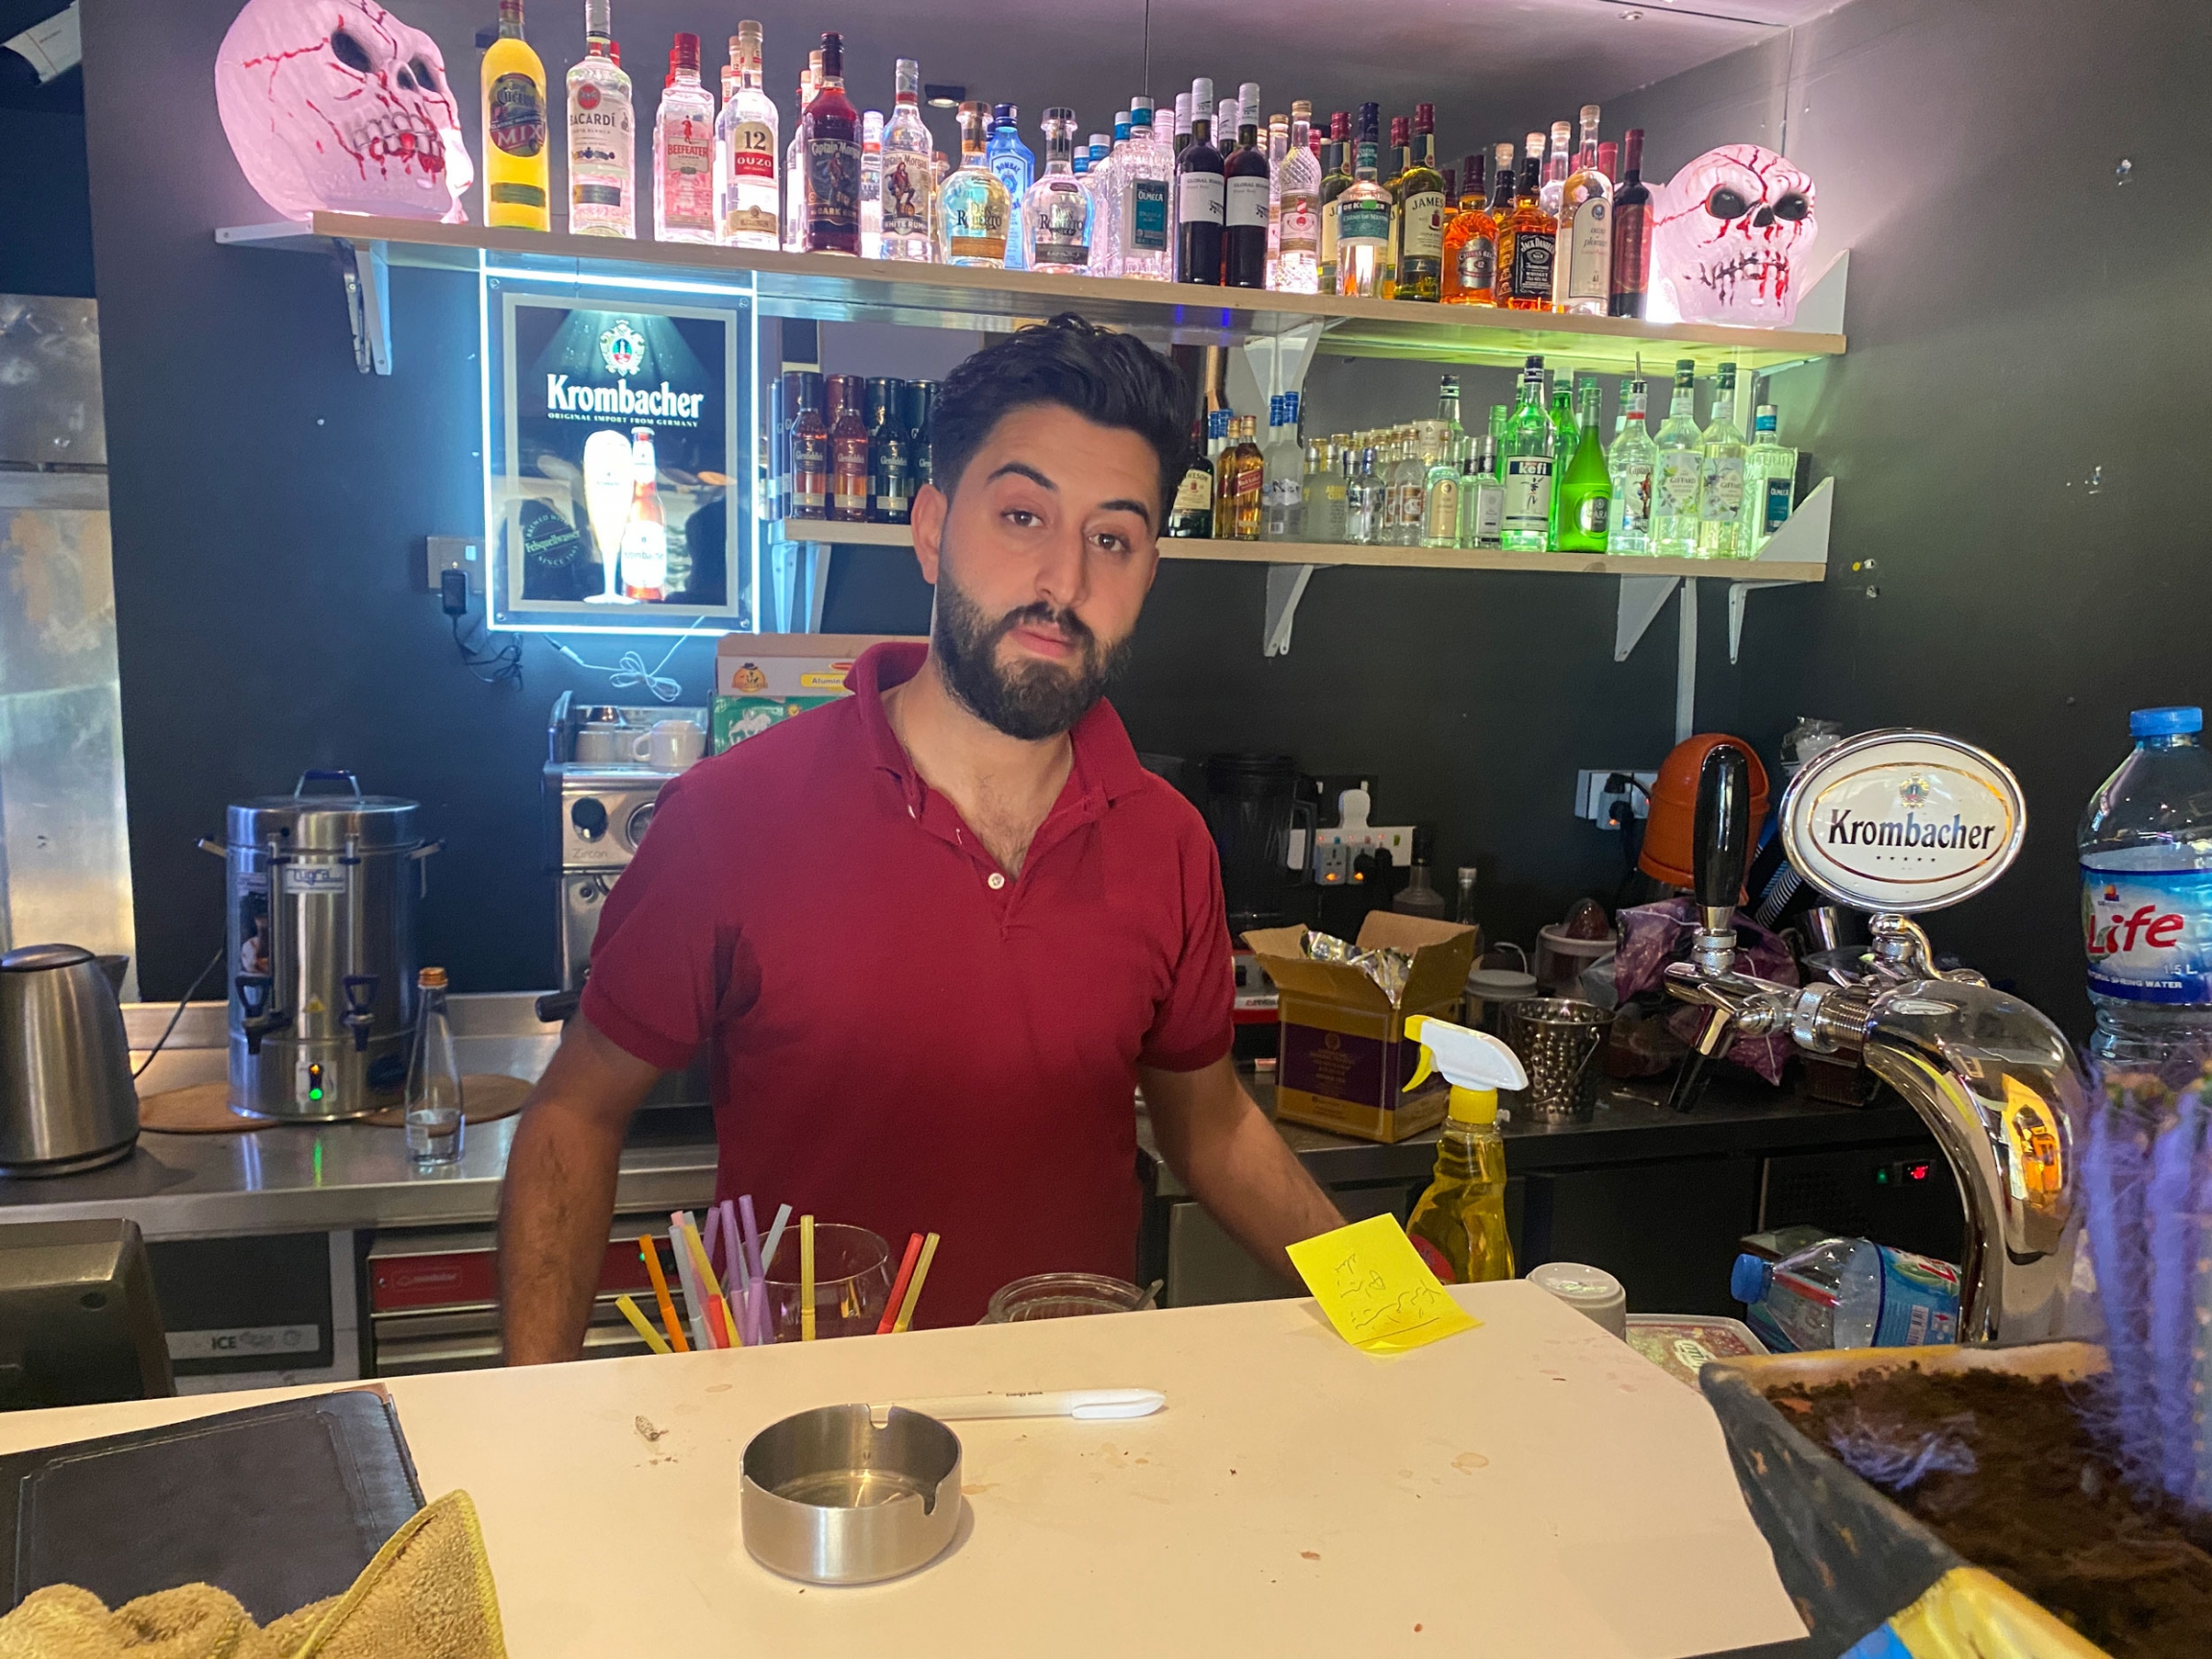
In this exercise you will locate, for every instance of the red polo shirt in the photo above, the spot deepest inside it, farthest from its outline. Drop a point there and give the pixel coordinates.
(904, 1036)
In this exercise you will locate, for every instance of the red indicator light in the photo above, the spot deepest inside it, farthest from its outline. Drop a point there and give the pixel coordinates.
(1917, 1172)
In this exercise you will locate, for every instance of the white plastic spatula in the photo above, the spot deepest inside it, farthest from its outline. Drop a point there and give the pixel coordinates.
(1085, 1405)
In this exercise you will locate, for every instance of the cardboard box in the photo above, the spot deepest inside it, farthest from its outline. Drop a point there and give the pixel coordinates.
(1343, 1057)
(760, 678)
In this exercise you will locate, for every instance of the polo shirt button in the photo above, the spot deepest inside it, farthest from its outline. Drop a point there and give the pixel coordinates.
(998, 881)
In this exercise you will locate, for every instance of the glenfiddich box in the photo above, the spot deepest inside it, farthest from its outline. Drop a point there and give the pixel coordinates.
(1343, 1057)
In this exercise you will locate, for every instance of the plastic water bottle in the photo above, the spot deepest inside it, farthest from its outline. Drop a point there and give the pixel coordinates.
(2146, 848)
(1848, 1293)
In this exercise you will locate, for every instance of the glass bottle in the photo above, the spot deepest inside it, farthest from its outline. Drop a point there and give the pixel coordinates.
(1482, 497)
(683, 151)
(909, 203)
(1463, 912)
(1631, 468)
(1525, 524)
(1201, 195)
(795, 161)
(1770, 483)
(1566, 438)
(1440, 513)
(1721, 477)
(1585, 245)
(890, 455)
(1323, 488)
(973, 205)
(432, 1102)
(1181, 123)
(1410, 483)
(1526, 240)
(1677, 472)
(917, 407)
(1630, 275)
(1283, 487)
(1101, 181)
(1298, 222)
(1551, 191)
(1421, 215)
(1363, 219)
(1470, 243)
(1364, 496)
(1190, 517)
(849, 469)
(517, 161)
(1143, 179)
(871, 184)
(1277, 152)
(1057, 214)
(1244, 210)
(645, 531)
(746, 144)
(1016, 167)
(1394, 170)
(830, 140)
(1336, 180)
(809, 450)
(1239, 484)
(1586, 489)
(602, 144)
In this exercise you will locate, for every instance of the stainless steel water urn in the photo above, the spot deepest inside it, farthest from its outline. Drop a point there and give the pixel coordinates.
(323, 890)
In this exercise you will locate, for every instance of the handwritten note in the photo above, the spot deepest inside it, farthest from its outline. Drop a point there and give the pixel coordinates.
(1377, 1291)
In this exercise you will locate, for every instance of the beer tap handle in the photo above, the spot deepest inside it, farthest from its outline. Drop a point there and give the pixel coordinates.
(1724, 836)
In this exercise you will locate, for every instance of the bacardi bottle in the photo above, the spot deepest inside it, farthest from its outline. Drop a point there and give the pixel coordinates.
(829, 137)
(748, 143)
(683, 151)
(645, 534)
(909, 173)
(602, 143)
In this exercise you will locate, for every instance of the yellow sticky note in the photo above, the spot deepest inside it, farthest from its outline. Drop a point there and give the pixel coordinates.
(1377, 1291)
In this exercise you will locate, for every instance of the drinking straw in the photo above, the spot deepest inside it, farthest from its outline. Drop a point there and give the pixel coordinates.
(713, 1230)
(914, 1291)
(899, 1285)
(639, 1323)
(805, 1278)
(752, 1232)
(756, 1311)
(709, 1288)
(652, 1253)
(740, 1272)
(701, 1334)
(774, 1235)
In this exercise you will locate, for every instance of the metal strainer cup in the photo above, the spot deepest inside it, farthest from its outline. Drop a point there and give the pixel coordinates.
(1560, 1041)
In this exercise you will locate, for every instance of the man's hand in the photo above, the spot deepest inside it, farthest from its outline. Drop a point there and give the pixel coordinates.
(1222, 1146)
(557, 1200)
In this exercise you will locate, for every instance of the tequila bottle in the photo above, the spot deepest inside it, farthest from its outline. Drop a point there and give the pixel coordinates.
(1363, 219)
(1677, 472)
(909, 173)
(1585, 245)
(1721, 477)
(602, 142)
(829, 137)
(974, 208)
(1298, 222)
(1364, 496)
(1586, 490)
(1057, 213)
(683, 151)
(1420, 273)
(1526, 518)
(1143, 178)
(517, 163)
(1016, 167)
(1770, 482)
(746, 139)
(1631, 468)
(1102, 180)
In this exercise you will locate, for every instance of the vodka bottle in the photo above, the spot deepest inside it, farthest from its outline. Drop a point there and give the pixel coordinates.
(1323, 487)
(910, 187)
(745, 141)
(1410, 483)
(683, 151)
(1677, 472)
(1105, 210)
(1297, 268)
(1277, 149)
(1283, 493)
(1630, 466)
(795, 161)
(1143, 193)
(602, 144)
(1525, 522)
(1481, 498)
(1364, 497)
(1440, 514)
(1721, 477)
(871, 184)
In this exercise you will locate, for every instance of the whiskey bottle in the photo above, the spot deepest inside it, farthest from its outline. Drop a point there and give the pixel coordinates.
(890, 455)
(746, 138)
(1399, 159)
(1201, 189)
(849, 479)
(1677, 472)
(1363, 219)
(1585, 245)
(1525, 238)
(974, 207)
(1244, 210)
(809, 451)
(829, 138)
(517, 165)
(1470, 243)
(602, 143)
(1420, 271)
(1239, 481)
(1630, 275)
(683, 151)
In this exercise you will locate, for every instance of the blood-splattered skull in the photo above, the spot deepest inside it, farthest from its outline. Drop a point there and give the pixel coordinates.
(1731, 238)
(337, 104)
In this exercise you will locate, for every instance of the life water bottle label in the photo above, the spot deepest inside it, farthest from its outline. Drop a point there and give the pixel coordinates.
(1919, 1301)
(2149, 934)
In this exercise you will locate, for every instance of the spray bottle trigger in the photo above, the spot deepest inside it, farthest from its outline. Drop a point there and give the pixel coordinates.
(1428, 1065)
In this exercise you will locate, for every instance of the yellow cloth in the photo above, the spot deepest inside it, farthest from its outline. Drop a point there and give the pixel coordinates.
(427, 1595)
(1970, 1614)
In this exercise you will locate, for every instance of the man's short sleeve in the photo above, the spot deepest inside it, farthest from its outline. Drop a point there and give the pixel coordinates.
(1192, 1026)
(655, 972)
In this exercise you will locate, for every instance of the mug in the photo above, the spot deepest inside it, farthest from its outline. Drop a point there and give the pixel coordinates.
(600, 743)
(672, 745)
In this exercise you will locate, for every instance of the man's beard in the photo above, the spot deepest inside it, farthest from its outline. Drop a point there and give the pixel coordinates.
(1032, 699)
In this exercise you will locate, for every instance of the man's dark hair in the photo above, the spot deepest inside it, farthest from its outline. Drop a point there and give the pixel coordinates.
(1112, 380)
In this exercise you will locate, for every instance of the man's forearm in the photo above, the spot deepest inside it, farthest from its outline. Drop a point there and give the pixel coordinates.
(1255, 1187)
(555, 1208)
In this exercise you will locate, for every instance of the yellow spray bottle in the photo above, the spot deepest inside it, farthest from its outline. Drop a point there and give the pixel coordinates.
(1459, 1226)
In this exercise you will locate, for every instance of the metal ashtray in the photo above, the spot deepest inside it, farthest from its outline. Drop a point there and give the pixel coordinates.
(832, 1498)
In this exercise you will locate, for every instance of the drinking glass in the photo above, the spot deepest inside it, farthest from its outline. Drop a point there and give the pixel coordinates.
(851, 1280)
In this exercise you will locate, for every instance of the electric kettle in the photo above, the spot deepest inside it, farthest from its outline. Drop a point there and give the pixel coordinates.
(66, 1099)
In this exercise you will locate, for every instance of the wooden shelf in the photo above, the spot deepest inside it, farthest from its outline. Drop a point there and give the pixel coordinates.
(1760, 569)
(954, 296)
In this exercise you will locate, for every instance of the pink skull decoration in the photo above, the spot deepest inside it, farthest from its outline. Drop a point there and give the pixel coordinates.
(1731, 236)
(337, 104)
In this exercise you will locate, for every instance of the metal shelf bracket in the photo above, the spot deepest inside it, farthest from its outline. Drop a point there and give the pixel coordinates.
(1286, 586)
(367, 275)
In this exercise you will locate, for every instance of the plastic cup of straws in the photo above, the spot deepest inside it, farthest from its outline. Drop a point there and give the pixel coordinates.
(851, 1281)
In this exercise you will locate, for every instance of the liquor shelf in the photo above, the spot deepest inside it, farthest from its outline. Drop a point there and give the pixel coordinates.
(842, 289)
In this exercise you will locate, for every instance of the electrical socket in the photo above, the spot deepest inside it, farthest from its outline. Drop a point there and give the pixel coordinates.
(461, 553)
(1594, 802)
(1399, 841)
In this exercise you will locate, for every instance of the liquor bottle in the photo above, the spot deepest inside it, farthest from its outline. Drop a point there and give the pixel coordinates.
(1585, 245)
(1365, 495)
(1102, 181)
(1323, 492)
(795, 161)
(683, 151)
(1525, 523)
(918, 408)
(1470, 244)
(1409, 481)
(1525, 239)
(1677, 472)
(1631, 265)
(890, 455)
(1609, 163)
(1181, 122)
(1770, 483)
(1586, 489)
(1283, 482)
(1190, 517)
(1721, 477)
(1336, 180)
(849, 465)
(1298, 219)
(645, 531)
(1555, 169)
(1143, 179)
(602, 141)
(1201, 192)
(1421, 215)
(1566, 438)
(1441, 512)
(1481, 498)
(1057, 214)
(829, 138)
(909, 175)
(871, 184)
(809, 450)
(1016, 168)
(517, 165)
(746, 145)
(1244, 210)
(974, 207)
(1239, 481)
(1395, 163)
(1277, 152)
(1629, 467)
(1363, 219)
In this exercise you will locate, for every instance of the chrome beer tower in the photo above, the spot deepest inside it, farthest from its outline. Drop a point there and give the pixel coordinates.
(1993, 1079)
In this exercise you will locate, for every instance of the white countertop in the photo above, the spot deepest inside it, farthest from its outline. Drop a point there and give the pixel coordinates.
(1531, 1486)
